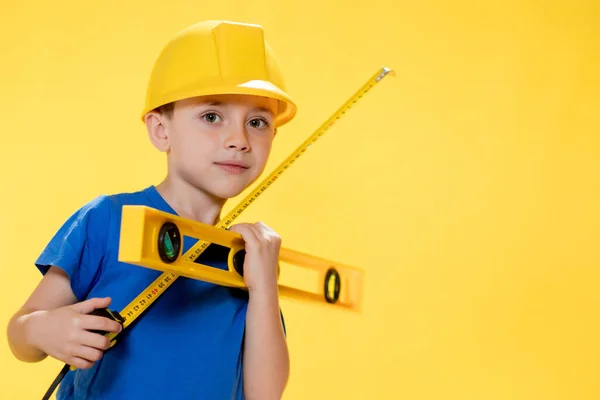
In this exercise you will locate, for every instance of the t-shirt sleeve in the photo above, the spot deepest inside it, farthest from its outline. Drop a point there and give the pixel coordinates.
(78, 247)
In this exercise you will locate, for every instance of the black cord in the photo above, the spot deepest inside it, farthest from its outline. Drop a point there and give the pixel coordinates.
(58, 379)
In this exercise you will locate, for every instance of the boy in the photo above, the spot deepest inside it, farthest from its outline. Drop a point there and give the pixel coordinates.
(214, 102)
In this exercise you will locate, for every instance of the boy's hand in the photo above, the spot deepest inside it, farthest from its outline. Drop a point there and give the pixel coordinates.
(262, 255)
(64, 333)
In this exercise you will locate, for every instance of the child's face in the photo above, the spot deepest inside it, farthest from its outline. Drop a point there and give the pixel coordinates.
(219, 144)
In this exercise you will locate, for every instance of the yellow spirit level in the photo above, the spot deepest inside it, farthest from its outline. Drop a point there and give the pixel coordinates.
(154, 239)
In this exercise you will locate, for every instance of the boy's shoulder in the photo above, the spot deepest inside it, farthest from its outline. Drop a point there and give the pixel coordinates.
(106, 208)
(91, 235)
(148, 196)
(98, 221)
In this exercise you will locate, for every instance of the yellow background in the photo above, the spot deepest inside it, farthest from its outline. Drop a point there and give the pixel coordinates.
(467, 187)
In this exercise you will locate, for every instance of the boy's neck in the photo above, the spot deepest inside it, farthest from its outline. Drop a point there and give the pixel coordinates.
(189, 201)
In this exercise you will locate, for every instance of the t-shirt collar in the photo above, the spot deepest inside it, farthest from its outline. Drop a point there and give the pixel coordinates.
(157, 200)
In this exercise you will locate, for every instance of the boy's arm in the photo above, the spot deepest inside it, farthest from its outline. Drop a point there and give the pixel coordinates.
(266, 357)
(53, 291)
(54, 321)
(266, 362)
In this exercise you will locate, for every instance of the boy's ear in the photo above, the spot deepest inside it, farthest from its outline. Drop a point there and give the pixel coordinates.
(157, 130)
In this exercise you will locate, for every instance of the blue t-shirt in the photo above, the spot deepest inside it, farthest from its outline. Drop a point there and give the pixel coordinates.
(187, 345)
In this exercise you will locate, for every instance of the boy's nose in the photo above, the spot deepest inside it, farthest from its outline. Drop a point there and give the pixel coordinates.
(237, 140)
(236, 146)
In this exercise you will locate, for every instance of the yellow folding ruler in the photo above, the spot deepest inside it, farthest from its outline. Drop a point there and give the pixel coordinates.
(145, 299)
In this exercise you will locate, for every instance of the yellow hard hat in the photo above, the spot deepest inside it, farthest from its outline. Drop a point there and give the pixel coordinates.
(218, 57)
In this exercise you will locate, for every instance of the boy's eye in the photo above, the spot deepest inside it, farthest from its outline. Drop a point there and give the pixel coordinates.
(258, 123)
(211, 117)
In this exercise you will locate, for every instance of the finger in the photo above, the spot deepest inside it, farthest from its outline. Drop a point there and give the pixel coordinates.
(79, 363)
(264, 227)
(87, 306)
(94, 340)
(88, 353)
(94, 322)
(248, 233)
(267, 234)
(238, 227)
(264, 230)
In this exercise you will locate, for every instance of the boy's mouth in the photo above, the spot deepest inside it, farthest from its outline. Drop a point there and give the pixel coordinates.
(232, 166)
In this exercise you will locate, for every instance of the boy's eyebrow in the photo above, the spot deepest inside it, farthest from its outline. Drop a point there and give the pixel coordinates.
(263, 109)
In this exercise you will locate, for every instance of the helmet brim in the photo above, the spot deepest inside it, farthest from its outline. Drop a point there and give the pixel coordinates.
(286, 110)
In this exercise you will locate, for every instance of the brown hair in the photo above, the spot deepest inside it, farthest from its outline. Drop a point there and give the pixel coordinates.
(166, 109)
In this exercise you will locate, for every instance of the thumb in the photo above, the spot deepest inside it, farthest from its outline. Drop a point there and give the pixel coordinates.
(89, 305)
